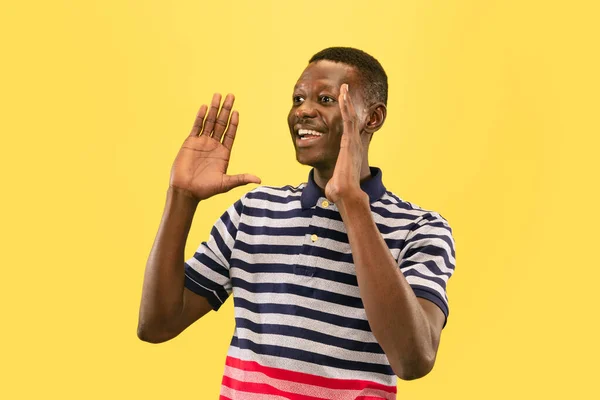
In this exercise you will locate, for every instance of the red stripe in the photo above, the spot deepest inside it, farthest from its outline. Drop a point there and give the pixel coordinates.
(310, 379)
(263, 388)
(221, 397)
(368, 398)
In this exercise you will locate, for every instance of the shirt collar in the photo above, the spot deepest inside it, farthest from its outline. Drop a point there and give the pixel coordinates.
(373, 187)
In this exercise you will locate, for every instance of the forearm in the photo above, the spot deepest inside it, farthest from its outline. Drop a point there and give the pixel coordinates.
(162, 293)
(396, 318)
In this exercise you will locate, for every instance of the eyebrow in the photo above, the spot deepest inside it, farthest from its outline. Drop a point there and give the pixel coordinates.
(321, 87)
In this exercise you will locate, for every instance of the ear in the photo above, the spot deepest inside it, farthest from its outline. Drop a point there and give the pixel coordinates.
(376, 118)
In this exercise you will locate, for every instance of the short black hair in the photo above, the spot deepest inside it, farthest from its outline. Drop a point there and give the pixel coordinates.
(371, 73)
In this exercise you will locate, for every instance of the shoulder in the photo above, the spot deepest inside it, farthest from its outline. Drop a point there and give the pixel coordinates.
(264, 196)
(392, 206)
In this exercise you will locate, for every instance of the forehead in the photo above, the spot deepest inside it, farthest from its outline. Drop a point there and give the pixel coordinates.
(327, 74)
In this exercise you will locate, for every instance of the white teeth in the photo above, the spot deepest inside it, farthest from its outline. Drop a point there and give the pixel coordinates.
(303, 132)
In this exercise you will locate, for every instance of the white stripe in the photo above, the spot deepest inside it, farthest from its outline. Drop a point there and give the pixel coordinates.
(207, 289)
(311, 346)
(281, 240)
(240, 395)
(287, 192)
(274, 206)
(315, 283)
(435, 242)
(294, 259)
(307, 323)
(326, 371)
(422, 269)
(303, 388)
(392, 222)
(208, 273)
(415, 280)
(212, 245)
(293, 222)
(307, 302)
(422, 258)
(224, 233)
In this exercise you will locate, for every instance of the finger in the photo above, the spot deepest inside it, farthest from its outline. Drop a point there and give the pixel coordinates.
(233, 181)
(223, 118)
(199, 120)
(347, 108)
(209, 123)
(231, 130)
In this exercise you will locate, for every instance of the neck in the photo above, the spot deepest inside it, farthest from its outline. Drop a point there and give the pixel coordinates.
(323, 175)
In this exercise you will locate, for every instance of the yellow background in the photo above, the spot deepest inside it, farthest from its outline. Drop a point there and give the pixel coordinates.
(492, 121)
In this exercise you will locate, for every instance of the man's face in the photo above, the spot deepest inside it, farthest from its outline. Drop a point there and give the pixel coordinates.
(315, 119)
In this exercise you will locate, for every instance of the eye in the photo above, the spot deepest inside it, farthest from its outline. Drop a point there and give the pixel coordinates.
(297, 99)
(327, 99)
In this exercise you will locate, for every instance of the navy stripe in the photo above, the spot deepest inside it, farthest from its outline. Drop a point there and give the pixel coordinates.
(414, 272)
(226, 219)
(326, 233)
(335, 276)
(384, 229)
(420, 236)
(223, 248)
(290, 309)
(330, 254)
(396, 202)
(214, 301)
(308, 334)
(429, 250)
(327, 213)
(201, 280)
(267, 248)
(205, 260)
(431, 295)
(290, 288)
(286, 188)
(263, 212)
(274, 230)
(384, 212)
(431, 265)
(272, 198)
(310, 357)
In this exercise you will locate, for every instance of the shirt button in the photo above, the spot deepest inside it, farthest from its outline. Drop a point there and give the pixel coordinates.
(313, 237)
(325, 203)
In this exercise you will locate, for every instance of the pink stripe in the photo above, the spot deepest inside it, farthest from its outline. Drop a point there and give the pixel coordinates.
(301, 377)
(231, 394)
(263, 388)
(254, 377)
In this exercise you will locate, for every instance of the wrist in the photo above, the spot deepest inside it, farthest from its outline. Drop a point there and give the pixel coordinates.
(354, 201)
(181, 197)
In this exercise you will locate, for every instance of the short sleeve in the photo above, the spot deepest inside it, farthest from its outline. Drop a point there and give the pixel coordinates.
(207, 272)
(428, 259)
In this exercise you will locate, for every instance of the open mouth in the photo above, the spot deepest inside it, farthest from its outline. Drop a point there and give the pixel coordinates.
(308, 135)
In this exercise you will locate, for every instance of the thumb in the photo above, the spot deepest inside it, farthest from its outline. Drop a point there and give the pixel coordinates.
(233, 181)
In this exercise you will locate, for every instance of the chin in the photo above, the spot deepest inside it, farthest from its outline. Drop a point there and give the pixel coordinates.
(315, 161)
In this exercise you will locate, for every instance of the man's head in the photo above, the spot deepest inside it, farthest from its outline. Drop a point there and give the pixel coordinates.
(372, 77)
(315, 119)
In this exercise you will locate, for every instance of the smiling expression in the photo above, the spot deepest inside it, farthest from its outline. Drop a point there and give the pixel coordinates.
(315, 119)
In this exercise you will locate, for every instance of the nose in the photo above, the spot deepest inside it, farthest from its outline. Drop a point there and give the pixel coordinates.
(306, 110)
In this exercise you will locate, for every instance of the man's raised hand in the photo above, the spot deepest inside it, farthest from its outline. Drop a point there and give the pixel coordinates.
(200, 169)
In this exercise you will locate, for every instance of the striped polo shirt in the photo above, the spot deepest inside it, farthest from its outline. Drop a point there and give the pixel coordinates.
(301, 331)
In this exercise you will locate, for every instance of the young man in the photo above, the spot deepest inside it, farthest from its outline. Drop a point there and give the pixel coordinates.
(339, 285)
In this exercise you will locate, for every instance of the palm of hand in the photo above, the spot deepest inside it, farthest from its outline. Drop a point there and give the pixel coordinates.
(200, 169)
(346, 175)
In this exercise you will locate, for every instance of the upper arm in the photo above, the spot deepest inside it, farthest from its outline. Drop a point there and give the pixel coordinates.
(194, 308)
(427, 261)
(436, 319)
